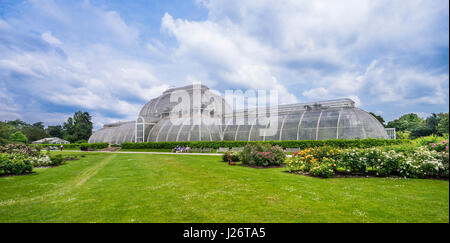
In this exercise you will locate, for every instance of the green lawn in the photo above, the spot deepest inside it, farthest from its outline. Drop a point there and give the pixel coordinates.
(103, 187)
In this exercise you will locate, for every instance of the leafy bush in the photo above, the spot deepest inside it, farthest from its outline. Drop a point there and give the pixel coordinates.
(57, 159)
(406, 149)
(326, 168)
(15, 164)
(94, 146)
(416, 162)
(388, 163)
(425, 163)
(425, 141)
(262, 154)
(18, 137)
(234, 157)
(354, 160)
(43, 160)
(441, 146)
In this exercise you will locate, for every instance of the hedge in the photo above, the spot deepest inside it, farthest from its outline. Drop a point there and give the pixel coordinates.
(78, 145)
(340, 143)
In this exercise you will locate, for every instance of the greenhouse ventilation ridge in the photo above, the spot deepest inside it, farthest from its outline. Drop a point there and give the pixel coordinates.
(333, 119)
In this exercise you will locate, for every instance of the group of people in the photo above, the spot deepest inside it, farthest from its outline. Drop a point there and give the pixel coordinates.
(179, 149)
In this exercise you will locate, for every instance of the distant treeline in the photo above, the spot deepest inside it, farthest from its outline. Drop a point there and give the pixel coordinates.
(76, 129)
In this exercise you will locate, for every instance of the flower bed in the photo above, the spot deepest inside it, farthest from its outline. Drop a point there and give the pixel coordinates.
(18, 159)
(262, 155)
(421, 162)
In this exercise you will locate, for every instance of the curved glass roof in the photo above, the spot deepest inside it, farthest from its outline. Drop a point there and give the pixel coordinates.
(336, 123)
(161, 106)
(116, 133)
(334, 119)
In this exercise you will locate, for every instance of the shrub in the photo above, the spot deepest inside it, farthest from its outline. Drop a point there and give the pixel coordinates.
(388, 163)
(43, 160)
(354, 160)
(57, 159)
(302, 161)
(14, 164)
(233, 156)
(441, 146)
(425, 163)
(302, 144)
(262, 154)
(32, 150)
(18, 137)
(424, 141)
(406, 149)
(326, 168)
(94, 146)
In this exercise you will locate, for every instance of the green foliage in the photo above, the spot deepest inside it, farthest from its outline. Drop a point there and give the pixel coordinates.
(270, 155)
(442, 127)
(262, 154)
(15, 164)
(425, 141)
(403, 134)
(5, 133)
(94, 146)
(212, 191)
(55, 131)
(34, 132)
(338, 143)
(326, 168)
(412, 126)
(78, 127)
(424, 163)
(234, 157)
(18, 137)
(406, 122)
(379, 118)
(407, 160)
(56, 159)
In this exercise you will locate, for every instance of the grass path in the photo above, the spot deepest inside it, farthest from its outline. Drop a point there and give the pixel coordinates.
(114, 187)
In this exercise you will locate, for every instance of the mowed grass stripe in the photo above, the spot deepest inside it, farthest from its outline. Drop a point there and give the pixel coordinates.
(66, 186)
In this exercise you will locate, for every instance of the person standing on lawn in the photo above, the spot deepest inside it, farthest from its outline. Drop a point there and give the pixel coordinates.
(61, 147)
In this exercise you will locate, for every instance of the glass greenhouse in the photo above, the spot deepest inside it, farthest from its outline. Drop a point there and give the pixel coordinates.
(160, 120)
(53, 140)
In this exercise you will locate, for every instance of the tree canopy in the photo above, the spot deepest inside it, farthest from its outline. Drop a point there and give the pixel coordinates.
(418, 127)
(76, 128)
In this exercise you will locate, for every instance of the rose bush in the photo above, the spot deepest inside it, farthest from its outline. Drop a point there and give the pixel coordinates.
(262, 155)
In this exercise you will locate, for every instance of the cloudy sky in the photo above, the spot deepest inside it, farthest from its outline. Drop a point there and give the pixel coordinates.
(109, 57)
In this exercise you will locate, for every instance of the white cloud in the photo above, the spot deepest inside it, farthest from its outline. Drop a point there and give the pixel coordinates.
(316, 93)
(48, 37)
(93, 58)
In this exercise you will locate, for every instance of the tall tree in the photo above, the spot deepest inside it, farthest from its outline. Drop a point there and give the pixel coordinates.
(83, 125)
(406, 122)
(79, 127)
(442, 127)
(18, 124)
(5, 132)
(18, 137)
(55, 131)
(379, 118)
(35, 131)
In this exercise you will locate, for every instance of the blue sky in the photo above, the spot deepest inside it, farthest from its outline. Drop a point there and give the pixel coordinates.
(111, 57)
